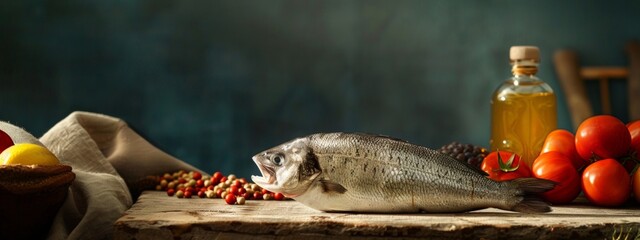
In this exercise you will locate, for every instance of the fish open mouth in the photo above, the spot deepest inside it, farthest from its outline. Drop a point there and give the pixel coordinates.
(268, 174)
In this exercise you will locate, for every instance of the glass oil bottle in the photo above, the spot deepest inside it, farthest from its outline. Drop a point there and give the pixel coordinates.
(523, 108)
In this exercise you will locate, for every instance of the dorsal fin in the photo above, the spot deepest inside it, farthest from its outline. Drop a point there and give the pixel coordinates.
(380, 136)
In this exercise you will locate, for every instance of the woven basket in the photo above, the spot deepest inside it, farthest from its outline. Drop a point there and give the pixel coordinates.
(30, 196)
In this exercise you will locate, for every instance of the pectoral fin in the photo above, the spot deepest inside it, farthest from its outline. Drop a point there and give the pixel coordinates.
(330, 186)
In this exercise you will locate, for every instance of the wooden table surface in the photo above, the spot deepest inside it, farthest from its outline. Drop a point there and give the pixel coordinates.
(157, 216)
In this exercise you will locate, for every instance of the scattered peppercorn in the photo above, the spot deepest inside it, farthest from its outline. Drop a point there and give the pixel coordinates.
(171, 192)
(267, 196)
(230, 199)
(210, 194)
(278, 196)
(240, 200)
(183, 184)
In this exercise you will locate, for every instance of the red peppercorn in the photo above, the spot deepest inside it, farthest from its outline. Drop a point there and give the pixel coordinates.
(196, 175)
(257, 195)
(200, 183)
(219, 192)
(241, 191)
(182, 180)
(265, 191)
(215, 179)
(187, 194)
(230, 199)
(202, 194)
(247, 196)
(237, 183)
(278, 196)
(190, 190)
(234, 189)
(223, 179)
(171, 192)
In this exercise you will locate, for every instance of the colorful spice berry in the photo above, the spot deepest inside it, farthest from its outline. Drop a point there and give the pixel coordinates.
(267, 196)
(210, 194)
(219, 192)
(230, 199)
(257, 195)
(241, 191)
(278, 196)
(196, 175)
(185, 184)
(233, 189)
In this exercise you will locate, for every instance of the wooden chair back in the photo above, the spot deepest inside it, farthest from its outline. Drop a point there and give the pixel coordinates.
(572, 77)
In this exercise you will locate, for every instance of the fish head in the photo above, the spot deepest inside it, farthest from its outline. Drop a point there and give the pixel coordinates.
(289, 168)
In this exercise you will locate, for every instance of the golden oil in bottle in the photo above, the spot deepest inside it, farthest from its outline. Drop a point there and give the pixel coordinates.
(523, 108)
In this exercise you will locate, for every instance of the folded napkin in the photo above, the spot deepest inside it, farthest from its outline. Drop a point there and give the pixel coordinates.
(112, 163)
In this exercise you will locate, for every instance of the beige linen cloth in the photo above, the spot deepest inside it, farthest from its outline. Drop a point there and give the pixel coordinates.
(109, 159)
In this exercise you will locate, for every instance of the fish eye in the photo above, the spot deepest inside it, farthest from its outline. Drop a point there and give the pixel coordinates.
(277, 159)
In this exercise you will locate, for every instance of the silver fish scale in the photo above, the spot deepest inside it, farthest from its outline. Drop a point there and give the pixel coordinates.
(378, 170)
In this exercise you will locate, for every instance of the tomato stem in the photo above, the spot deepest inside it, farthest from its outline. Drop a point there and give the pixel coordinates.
(506, 167)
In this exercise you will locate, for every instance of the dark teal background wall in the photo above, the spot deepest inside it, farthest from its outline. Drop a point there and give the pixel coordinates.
(213, 82)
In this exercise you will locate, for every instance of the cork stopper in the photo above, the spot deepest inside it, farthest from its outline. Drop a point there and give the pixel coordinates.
(520, 53)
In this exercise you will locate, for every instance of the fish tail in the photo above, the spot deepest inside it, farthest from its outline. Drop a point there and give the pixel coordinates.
(530, 188)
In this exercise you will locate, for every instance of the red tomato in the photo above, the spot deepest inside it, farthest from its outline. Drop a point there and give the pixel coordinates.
(5, 141)
(563, 141)
(602, 136)
(606, 183)
(634, 130)
(507, 170)
(557, 167)
(636, 185)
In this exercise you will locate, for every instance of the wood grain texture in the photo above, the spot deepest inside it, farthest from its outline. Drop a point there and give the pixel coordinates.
(156, 216)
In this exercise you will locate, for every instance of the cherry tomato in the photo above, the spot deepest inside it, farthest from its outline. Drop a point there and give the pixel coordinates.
(507, 168)
(557, 167)
(602, 136)
(634, 130)
(635, 182)
(606, 183)
(563, 141)
(5, 141)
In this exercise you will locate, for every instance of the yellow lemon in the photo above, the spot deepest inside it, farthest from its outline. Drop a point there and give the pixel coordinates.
(28, 154)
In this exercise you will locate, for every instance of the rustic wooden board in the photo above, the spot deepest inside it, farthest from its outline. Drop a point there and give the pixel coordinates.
(156, 216)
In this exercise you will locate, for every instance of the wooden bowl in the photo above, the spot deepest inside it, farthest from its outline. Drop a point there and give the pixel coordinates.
(30, 196)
